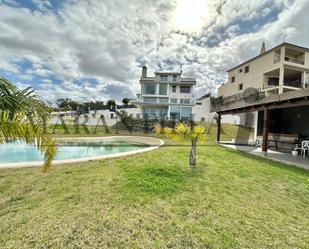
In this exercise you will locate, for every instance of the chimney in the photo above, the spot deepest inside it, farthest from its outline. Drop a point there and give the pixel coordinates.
(263, 48)
(144, 72)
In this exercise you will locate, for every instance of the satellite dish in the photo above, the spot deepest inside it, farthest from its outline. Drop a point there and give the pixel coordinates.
(250, 95)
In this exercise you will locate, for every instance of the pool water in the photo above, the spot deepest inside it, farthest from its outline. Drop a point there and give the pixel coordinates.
(14, 152)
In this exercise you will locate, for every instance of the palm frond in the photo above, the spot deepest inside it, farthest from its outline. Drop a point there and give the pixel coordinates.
(22, 117)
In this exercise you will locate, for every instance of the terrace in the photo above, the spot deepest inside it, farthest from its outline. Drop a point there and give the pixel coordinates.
(292, 79)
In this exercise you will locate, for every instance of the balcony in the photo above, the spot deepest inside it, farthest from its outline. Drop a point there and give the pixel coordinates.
(290, 56)
(294, 56)
(292, 80)
(293, 60)
(163, 101)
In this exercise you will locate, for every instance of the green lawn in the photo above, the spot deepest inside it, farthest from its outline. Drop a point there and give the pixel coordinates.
(154, 200)
(228, 131)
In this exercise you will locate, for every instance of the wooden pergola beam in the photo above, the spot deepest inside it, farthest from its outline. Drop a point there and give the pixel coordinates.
(271, 106)
(265, 130)
(218, 128)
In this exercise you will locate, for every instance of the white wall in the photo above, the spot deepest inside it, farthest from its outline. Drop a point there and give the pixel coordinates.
(237, 119)
(94, 117)
(202, 112)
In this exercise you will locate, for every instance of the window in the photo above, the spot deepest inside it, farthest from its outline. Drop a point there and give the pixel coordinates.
(150, 88)
(240, 87)
(163, 89)
(185, 101)
(173, 100)
(173, 89)
(163, 100)
(240, 70)
(185, 112)
(247, 69)
(163, 78)
(150, 100)
(185, 89)
(233, 79)
(174, 112)
(149, 112)
(198, 103)
(174, 78)
(163, 112)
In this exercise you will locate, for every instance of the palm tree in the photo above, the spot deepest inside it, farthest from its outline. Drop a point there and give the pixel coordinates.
(23, 117)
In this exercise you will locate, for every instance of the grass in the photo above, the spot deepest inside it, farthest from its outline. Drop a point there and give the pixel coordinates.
(228, 131)
(154, 200)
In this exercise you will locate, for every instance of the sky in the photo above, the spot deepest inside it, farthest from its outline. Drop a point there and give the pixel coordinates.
(90, 50)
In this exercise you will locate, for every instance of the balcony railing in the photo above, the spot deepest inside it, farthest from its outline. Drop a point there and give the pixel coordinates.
(233, 100)
(295, 84)
(163, 101)
(289, 59)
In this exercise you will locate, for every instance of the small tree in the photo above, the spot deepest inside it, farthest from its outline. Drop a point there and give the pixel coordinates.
(183, 133)
(125, 101)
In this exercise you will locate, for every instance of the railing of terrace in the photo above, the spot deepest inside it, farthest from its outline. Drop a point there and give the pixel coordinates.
(289, 59)
(224, 103)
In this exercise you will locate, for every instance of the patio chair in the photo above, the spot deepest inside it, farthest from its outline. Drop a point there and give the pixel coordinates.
(258, 142)
(304, 147)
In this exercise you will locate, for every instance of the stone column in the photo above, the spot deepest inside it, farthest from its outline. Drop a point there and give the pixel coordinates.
(256, 119)
(281, 79)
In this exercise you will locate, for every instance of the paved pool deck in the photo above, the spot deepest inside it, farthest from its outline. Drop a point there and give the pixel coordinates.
(289, 159)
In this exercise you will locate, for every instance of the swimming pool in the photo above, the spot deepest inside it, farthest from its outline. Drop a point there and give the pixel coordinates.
(76, 150)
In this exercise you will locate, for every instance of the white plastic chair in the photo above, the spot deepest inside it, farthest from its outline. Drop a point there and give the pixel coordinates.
(304, 147)
(258, 142)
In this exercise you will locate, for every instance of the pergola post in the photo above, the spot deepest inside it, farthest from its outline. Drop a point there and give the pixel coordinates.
(265, 130)
(219, 128)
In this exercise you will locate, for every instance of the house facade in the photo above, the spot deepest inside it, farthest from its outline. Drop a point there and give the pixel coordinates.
(281, 69)
(273, 88)
(166, 95)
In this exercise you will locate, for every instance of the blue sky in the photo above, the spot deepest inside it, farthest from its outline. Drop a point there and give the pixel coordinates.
(94, 50)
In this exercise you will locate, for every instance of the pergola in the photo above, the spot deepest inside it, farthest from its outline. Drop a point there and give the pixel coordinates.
(259, 102)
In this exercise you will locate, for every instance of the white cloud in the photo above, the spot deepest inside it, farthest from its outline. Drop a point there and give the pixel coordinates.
(109, 40)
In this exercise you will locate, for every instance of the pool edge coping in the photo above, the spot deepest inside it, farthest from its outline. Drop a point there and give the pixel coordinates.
(151, 147)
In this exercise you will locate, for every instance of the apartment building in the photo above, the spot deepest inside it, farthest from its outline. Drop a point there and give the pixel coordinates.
(165, 95)
(281, 69)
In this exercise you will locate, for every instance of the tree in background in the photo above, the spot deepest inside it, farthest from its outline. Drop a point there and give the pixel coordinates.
(111, 104)
(182, 133)
(126, 101)
(68, 104)
(93, 105)
(23, 117)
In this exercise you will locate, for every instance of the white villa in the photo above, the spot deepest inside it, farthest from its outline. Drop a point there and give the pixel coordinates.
(165, 95)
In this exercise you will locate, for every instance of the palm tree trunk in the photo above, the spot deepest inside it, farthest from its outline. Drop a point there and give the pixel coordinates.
(192, 160)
